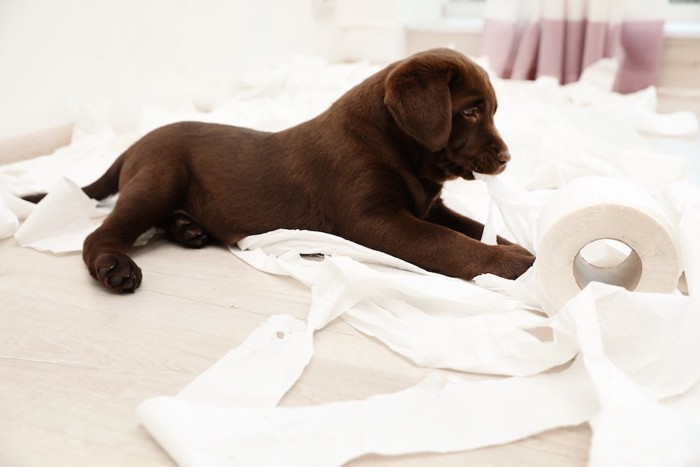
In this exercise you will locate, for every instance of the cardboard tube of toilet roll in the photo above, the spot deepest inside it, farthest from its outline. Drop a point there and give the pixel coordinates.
(594, 209)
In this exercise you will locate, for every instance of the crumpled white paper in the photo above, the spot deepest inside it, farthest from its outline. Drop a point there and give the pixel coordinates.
(9, 223)
(12, 210)
(61, 221)
(635, 371)
(632, 428)
(595, 133)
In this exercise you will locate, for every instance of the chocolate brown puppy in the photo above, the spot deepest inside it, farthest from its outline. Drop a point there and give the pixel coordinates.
(369, 169)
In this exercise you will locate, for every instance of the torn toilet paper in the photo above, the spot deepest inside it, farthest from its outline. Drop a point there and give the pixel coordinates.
(433, 416)
(589, 210)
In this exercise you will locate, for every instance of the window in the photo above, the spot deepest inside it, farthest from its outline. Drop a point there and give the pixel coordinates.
(683, 18)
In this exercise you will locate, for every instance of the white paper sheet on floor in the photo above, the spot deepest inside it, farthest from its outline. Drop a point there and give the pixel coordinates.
(636, 355)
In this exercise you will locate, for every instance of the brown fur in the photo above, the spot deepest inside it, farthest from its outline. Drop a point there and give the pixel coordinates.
(369, 169)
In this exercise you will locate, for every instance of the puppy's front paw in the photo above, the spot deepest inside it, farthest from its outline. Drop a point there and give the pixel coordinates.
(117, 272)
(519, 250)
(511, 261)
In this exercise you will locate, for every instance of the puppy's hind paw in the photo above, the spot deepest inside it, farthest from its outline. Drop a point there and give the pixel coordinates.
(117, 272)
(184, 230)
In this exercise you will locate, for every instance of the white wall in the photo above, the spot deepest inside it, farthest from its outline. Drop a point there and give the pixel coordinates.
(54, 53)
(375, 29)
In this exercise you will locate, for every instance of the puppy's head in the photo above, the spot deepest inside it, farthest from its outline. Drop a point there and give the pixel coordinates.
(446, 103)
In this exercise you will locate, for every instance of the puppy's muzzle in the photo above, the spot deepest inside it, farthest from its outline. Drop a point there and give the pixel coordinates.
(503, 157)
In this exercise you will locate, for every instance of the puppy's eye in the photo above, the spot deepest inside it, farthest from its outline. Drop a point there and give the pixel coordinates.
(471, 112)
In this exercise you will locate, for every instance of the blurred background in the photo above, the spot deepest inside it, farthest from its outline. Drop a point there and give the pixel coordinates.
(57, 53)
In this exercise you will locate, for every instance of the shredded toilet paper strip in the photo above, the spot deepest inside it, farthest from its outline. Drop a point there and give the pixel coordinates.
(433, 416)
(281, 346)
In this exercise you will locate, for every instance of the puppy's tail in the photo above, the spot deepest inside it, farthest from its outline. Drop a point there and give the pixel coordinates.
(106, 185)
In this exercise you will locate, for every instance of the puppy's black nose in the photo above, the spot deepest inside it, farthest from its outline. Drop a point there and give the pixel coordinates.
(503, 157)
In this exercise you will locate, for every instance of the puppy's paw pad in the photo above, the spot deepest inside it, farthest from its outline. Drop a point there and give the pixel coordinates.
(183, 229)
(117, 272)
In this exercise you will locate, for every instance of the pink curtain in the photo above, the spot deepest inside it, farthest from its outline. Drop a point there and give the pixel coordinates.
(525, 39)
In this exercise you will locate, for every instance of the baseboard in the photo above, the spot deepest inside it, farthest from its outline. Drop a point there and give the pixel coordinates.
(35, 144)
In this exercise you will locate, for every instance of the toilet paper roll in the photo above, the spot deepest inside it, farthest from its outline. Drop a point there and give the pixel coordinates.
(593, 209)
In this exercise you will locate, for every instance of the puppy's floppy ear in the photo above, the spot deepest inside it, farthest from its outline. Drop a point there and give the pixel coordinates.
(418, 97)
